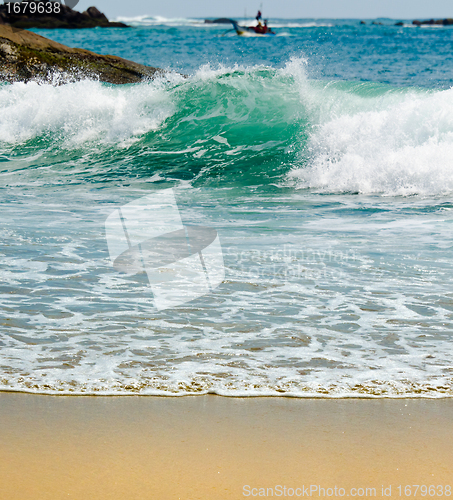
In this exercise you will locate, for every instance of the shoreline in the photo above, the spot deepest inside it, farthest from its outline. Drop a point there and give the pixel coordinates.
(327, 397)
(212, 447)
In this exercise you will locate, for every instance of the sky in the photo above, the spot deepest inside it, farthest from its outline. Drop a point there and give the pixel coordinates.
(363, 9)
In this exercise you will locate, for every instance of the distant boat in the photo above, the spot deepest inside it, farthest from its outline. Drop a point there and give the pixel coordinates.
(258, 30)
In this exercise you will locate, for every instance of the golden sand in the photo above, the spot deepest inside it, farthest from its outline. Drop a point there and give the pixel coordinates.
(209, 447)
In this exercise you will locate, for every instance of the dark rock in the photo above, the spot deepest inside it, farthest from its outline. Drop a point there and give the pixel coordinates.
(399, 23)
(438, 22)
(362, 22)
(220, 20)
(376, 23)
(27, 56)
(95, 13)
(65, 18)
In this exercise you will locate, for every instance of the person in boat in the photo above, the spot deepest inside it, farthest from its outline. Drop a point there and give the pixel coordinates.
(259, 27)
(263, 30)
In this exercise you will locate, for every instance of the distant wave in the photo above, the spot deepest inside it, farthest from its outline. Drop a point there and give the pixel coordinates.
(146, 20)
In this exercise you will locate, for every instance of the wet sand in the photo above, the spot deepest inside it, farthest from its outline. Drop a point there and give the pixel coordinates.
(209, 447)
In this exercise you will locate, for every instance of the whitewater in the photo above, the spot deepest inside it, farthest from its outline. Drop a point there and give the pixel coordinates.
(329, 183)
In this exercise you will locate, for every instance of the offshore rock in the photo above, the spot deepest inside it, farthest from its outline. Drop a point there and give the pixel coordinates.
(64, 18)
(220, 20)
(27, 56)
(443, 22)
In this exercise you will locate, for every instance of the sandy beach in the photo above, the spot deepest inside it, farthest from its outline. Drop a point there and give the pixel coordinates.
(232, 279)
(209, 447)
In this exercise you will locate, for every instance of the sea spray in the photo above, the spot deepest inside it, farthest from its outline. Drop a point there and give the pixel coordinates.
(401, 147)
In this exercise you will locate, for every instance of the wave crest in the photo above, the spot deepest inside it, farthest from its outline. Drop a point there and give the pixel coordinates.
(394, 144)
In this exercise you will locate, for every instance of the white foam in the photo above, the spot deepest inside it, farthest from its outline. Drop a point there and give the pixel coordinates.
(147, 20)
(394, 143)
(81, 112)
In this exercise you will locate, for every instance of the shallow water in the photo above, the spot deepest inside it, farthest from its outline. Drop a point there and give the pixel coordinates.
(322, 157)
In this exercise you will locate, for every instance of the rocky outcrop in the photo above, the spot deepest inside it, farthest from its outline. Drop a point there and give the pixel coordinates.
(26, 56)
(443, 22)
(41, 14)
(220, 20)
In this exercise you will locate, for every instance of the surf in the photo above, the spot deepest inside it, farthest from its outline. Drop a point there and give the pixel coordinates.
(244, 126)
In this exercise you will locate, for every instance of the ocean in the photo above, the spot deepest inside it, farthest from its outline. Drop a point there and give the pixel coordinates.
(320, 159)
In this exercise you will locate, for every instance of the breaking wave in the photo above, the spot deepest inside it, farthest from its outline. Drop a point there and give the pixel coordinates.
(246, 125)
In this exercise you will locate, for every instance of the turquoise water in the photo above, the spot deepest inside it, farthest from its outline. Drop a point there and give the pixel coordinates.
(321, 156)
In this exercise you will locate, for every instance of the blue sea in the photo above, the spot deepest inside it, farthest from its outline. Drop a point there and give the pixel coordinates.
(323, 159)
